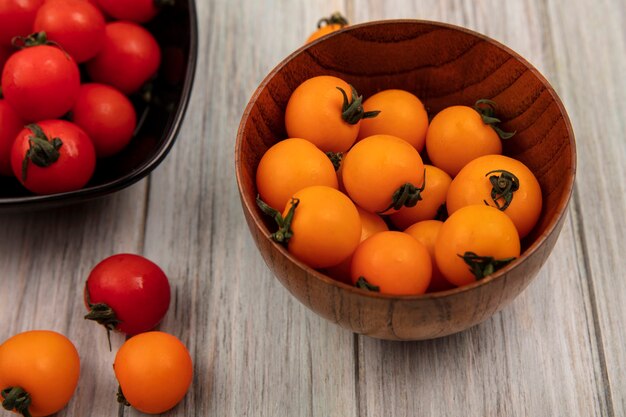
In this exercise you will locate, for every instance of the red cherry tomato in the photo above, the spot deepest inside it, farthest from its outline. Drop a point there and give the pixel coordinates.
(106, 115)
(16, 18)
(10, 125)
(129, 57)
(128, 293)
(40, 82)
(76, 25)
(139, 11)
(53, 156)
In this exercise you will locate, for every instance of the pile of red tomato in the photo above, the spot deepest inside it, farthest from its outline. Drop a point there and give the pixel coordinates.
(55, 122)
(353, 197)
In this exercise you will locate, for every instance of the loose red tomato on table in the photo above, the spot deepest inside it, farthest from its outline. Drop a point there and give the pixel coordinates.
(107, 116)
(129, 57)
(128, 293)
(39, 372)
(40, 82)
(53, 156)
(154, 370)
(76, 25)
(16, 18)
(10, 125)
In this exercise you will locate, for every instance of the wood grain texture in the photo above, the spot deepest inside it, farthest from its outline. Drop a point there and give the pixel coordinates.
(557, 350)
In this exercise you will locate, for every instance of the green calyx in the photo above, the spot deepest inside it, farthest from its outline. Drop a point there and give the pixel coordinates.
(284, 232)
(364, 285)
(487, 110)
(406, 196)
(503, 187)
(352, 110)
(34, 39)
(334, 19)
(102, 314)
(335, 158)
(42, 151)
(482, 266)
(15, 398)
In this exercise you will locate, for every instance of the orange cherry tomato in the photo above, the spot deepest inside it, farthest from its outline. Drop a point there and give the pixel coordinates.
(483, 235)
(401, 114)
(370, 225)
(326, 227)
(502, 182)
(434, 195)
(426, 233)
(321, 111)
(289, 166)
(42, 363)
(328, 25)
(395, 262)
(378, 168)
(457, 135)
(154, 371)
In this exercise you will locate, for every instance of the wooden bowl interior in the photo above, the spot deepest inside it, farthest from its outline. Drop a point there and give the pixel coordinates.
(443, 65)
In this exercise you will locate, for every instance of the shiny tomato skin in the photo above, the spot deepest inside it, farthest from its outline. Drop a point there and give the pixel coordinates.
(139, 11)
(135, 288)
(73, 169)
(76, 25)
(129, 57)
(107, 116)
(10, 125)
(16, 18)
(40, 82)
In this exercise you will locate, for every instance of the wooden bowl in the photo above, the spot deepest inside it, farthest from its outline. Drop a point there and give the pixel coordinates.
(443, 65)
(175, 28)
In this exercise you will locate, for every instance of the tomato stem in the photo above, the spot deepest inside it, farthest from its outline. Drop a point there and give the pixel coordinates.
(406, 196)
(104, 315)
(334, 19)
(42, 151)
(487, 108)
(503, 186)
(284, 232)
(352, 111)
(364, 285)
(16, 398)
(482, 266)
(335, 158)
(442, 213)
(123, 402)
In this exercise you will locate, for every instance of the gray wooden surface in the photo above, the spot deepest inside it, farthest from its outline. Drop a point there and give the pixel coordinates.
(558, 350)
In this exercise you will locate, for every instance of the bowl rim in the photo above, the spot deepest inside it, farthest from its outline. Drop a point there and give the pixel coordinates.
(561, 209)
(146, 167)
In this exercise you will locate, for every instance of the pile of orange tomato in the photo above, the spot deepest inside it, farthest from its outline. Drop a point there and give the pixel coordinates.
(353, 197)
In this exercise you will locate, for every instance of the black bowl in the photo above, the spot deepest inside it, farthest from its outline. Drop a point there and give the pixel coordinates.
(159, 118)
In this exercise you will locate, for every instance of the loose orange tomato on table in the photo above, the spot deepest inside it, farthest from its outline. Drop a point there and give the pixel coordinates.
(426, 232)
(474, 242)
(459, 134)
(382, 173)
(289, 166)
(39, 371)
(502, 182)
(328, 25)
(402, 114)
(392, 263)
(154, 371)
(326, 111)
(436, 183)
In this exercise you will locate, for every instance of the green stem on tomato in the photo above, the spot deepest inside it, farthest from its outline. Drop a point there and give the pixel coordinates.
(42, 151)
(16, 398)
(334, 19)
(284, 232)
(482, 266)
(352, 109)
(487, 108)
